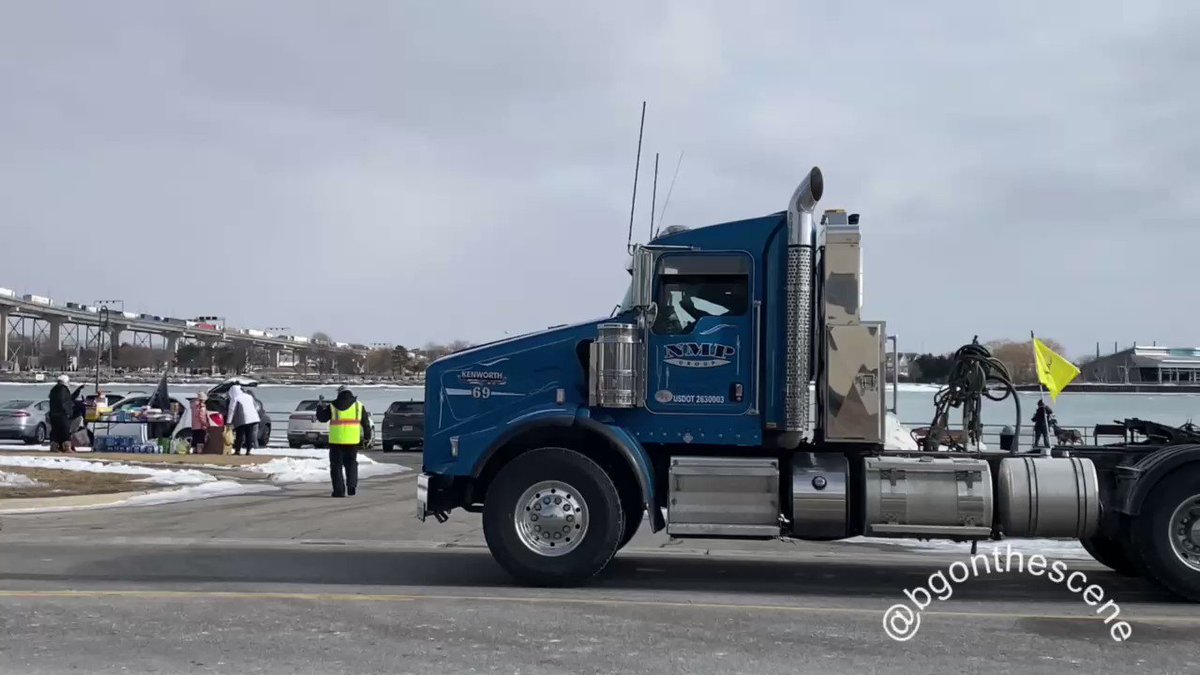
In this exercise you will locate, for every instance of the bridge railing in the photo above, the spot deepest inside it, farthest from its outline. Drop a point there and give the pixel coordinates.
(991, 433)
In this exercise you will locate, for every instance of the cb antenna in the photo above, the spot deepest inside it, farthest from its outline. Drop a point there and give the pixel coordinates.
(653, 197)
(637, 165)
(663, 213)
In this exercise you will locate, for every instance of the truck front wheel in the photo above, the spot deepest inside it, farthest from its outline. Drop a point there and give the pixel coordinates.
(552, 517)
(1166, 535)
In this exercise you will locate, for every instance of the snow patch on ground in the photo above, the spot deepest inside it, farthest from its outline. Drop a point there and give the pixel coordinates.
(12, 447)
(152, 474)
(897, 436)
(17, 480)
(1051, 548)
(315, 453)
(216, 488)
(285, 470)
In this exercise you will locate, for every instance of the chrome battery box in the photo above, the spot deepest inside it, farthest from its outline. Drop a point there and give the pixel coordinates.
(724, 497)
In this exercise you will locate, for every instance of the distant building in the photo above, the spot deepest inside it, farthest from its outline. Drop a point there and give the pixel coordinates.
(905, 361)
(1146, 365)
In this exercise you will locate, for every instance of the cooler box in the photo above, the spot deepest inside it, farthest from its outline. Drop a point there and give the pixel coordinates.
(214, 443)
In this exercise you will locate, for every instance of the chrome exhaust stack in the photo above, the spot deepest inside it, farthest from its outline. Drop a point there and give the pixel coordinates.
(800, 305)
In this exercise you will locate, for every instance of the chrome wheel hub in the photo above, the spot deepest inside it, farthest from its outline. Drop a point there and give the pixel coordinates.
(551, 518)
(1185, 532)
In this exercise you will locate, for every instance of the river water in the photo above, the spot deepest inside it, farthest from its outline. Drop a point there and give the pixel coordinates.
(278, 399)
(914, 402)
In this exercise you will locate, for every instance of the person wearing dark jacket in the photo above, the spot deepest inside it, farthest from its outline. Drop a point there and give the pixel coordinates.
(1041, 424)
(349, 426)
(62, 406)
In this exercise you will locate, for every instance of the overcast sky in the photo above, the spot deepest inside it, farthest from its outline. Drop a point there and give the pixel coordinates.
(430, 171)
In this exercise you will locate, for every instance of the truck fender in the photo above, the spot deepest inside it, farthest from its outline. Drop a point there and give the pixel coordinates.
(621, 441)
(635, 454)
(1134, 483)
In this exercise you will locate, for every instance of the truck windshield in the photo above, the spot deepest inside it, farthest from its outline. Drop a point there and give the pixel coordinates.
(627, 301)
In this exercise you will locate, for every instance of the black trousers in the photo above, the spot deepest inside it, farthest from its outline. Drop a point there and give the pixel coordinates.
(343, 468)
(1040, 433)
(244, 437)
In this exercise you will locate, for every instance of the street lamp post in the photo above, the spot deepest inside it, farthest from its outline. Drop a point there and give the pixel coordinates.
(99, 343)
(106, 307)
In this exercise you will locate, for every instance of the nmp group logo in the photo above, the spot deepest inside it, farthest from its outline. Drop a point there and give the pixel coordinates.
(902, 620)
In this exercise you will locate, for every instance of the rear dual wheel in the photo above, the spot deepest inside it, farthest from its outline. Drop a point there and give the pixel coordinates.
(1113, 553)
(553, 517)
(1165, 536)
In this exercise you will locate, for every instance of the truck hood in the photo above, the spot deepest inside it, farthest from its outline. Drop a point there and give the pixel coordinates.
(484, 388)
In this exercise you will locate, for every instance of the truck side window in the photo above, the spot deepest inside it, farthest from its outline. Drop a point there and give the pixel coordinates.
(691, 286)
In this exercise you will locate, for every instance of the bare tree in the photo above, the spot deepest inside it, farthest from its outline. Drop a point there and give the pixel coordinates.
(1019, 357)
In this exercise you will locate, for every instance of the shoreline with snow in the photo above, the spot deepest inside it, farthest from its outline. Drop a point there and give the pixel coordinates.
(171, 483)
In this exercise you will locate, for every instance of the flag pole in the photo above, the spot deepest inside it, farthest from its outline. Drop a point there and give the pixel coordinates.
(1037, 368)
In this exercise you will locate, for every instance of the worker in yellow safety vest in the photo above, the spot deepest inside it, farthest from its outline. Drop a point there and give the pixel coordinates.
(349, 430)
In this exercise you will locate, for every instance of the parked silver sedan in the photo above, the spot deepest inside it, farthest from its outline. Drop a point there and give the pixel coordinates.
(24, 420)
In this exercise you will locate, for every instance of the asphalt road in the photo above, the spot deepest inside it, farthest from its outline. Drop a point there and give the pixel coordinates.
(296, 583)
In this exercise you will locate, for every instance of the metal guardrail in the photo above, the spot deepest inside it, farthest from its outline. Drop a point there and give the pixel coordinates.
(279, 426)
(991, 433)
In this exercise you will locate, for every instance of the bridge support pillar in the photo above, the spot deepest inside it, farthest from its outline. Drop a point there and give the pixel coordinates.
(114, 344)
(5, 357)
(55, 335)
(209, 344)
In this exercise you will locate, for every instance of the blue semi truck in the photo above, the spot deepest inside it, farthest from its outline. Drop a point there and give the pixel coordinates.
(689, 410)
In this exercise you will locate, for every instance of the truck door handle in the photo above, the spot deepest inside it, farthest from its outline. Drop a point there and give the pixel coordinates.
(736, 392)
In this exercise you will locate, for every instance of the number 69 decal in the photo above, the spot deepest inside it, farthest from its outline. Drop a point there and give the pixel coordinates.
(480, 392)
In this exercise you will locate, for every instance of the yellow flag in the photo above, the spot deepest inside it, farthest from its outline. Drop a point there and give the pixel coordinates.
(1053, 370)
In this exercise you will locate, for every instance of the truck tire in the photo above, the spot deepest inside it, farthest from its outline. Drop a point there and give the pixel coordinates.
(1166, 535)
(295, 444)
(552, 517)
(388, 446)
(1113, 554)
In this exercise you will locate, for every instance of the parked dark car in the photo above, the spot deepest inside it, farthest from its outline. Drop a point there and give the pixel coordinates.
(403, 425)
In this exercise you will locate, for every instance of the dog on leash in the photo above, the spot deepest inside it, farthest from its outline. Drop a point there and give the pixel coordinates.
(1066, 436)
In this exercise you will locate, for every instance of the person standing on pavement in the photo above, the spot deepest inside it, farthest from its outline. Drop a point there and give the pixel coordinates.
(199, 422)
(62, 407)
(1041, 424)
(349, 426)
(243, 417)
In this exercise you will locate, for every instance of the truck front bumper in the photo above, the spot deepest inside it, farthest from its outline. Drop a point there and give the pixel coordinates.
(434, 497)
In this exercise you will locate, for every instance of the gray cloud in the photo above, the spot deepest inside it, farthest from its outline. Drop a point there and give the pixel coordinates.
(391, 171)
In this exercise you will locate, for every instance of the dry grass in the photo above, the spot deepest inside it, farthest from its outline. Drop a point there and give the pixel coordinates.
(60, 483)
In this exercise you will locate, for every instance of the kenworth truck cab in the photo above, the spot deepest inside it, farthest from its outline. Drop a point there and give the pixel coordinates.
(689, 409)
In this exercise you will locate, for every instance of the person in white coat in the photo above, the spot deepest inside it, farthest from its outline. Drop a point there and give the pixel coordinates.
(243, 417)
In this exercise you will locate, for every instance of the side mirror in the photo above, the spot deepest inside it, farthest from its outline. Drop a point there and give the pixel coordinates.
(651, 313)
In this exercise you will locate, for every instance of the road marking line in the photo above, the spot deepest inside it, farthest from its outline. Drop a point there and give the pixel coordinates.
(376, 597)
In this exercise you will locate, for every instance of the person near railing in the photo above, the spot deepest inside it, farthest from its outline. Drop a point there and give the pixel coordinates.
(1041, 424)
